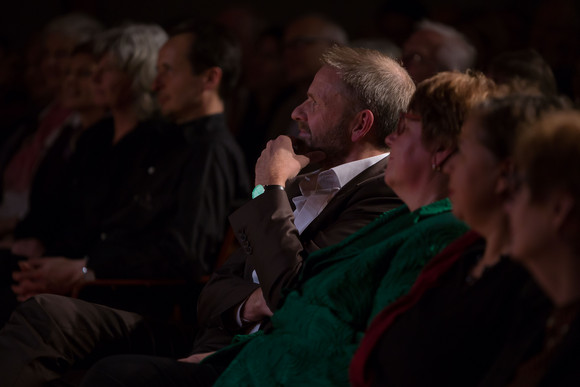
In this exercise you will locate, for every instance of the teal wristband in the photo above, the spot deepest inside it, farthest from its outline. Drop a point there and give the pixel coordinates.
(260, 189)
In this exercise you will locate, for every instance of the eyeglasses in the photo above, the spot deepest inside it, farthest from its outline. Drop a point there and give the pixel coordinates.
(403, 117)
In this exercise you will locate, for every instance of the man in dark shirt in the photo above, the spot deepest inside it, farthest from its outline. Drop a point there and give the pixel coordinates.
(170, 189)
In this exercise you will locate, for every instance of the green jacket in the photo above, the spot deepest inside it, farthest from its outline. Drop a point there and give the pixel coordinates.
(341, 288)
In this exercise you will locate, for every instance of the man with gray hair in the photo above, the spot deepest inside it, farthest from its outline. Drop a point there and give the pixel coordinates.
(436, 47)
(353, 102)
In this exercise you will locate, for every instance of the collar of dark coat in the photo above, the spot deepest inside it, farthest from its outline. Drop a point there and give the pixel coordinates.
(373, 172)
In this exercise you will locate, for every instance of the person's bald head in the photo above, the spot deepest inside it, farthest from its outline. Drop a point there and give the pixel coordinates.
(305, 40)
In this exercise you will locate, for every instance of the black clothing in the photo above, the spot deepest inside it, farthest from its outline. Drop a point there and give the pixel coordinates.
(149, 371)
(453, 334)
(527, 341)
(153, 205)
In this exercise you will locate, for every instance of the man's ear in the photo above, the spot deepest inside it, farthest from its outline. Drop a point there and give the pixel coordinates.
(212, 78)
(362, 123)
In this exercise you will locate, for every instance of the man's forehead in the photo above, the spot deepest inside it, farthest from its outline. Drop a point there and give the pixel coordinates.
(181, 41)
(326, 80)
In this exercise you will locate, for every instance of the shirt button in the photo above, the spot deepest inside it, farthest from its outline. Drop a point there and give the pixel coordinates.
(103, 236)
(243, 237)
(151, 170)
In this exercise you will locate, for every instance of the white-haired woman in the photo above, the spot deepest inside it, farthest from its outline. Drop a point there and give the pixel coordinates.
(107, 156)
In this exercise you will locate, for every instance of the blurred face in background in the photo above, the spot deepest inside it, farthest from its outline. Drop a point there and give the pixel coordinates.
(305, 41)
(112, 85)
(78, 92)
(265, 71)
(420, 54)
(55, 60)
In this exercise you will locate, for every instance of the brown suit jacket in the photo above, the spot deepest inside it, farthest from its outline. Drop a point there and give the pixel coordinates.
(271, 246)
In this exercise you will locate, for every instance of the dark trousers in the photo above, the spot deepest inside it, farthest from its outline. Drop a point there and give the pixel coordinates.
(48, 336)
(150, 371)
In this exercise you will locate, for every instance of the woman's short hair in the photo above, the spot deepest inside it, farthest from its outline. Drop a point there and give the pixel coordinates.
(547, 155)
(443, 102)
(134, 48)
(375, 82)
(502, 119)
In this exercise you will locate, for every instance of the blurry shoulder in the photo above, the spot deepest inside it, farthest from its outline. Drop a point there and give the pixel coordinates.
(99, 133)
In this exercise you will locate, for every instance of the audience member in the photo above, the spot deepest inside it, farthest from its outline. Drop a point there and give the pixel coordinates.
(49, 194)
(23, 151)
(436, 47)
(469, 294)
(227, 303)
(317, 325)
(305, 40)
(544, 224)
(166, 209)
(109, 154)
(523, 68)
(350, 195)
(244, 24)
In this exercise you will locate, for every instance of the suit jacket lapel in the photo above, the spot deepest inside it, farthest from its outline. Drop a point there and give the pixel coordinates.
(373, 172)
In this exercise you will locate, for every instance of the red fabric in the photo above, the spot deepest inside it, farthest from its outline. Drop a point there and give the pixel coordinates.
(22, 167)
(426, 280)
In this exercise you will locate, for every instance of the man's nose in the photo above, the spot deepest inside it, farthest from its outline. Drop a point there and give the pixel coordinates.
(298, 112)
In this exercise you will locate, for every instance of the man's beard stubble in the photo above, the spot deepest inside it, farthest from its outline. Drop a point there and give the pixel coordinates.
(335, 143)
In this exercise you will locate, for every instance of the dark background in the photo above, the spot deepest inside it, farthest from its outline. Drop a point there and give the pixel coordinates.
(494, 26)
(19, 18)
